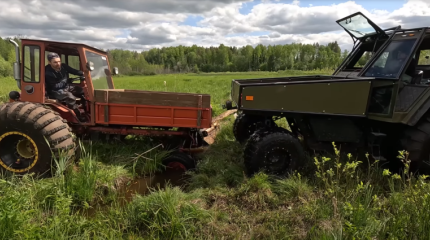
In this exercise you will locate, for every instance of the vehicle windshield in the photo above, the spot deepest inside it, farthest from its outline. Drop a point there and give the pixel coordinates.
(98, 75)
(357, 25)
(391, 62)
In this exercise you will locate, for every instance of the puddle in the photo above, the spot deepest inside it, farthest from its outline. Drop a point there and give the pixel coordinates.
(141, 186)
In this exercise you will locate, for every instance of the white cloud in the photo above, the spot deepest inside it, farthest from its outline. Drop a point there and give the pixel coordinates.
(142, 24)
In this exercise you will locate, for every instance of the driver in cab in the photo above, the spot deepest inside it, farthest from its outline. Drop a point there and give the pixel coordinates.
(57, 85)
(397, 63)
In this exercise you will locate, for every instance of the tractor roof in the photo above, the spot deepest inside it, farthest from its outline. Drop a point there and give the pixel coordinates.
(67, 46)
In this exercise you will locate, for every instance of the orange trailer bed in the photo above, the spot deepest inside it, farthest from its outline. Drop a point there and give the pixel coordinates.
(148, 108)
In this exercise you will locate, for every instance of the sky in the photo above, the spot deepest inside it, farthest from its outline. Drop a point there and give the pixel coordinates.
(144, 24)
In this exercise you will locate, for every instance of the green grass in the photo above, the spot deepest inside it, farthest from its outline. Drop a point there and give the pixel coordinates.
(336, 198)
(339, 199)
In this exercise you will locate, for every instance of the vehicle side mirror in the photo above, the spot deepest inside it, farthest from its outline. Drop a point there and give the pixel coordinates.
(90, 66)
(115, 71)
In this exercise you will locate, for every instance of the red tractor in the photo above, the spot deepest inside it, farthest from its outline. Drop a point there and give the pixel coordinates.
(35, 128)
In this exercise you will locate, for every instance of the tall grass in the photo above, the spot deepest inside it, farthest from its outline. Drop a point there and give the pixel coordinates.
(344, 198)
(340, 197)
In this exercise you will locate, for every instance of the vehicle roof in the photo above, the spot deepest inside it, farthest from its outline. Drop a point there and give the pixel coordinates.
(74, 44)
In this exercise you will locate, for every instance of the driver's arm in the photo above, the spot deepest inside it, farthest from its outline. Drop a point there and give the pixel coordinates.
(52, 82)
(72, 70)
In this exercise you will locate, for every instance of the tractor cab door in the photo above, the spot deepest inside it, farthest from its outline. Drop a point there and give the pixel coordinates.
(358, 26)
(32, 72)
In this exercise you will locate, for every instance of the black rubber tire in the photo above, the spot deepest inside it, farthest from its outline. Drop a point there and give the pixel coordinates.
(416, 140)
(179, 158)
(37, 122)
(245, 125)
(263, 142)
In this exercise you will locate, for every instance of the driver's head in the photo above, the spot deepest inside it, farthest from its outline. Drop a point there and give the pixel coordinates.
(54, 60)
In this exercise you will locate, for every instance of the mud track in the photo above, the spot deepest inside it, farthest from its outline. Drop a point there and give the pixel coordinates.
(143, 185)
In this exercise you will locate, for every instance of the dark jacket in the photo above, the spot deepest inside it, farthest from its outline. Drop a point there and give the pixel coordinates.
(55, 81)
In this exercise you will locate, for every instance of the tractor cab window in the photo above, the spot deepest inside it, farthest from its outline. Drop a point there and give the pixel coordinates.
(71, 60)
(74, 62)
(31, 63)
(98, 75)
(391, 62)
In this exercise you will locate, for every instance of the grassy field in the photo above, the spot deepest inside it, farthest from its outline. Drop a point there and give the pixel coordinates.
(333, 199)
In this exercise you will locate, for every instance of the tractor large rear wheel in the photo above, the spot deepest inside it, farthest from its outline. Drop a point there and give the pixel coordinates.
(31, 135)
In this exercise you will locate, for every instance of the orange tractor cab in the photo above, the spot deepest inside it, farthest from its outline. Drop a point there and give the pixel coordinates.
(34, 128)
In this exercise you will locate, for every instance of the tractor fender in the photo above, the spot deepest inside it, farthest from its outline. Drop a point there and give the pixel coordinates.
(64, 112)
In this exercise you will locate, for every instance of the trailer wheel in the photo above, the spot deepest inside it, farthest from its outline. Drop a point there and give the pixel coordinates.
(416, 141)
(28, 134)
(179, 161)
(275, 151)
(245, 125)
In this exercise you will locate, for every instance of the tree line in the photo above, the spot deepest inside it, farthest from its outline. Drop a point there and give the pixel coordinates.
(176, 59)
(295, 56)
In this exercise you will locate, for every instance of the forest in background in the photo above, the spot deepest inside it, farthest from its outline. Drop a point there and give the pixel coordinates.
(184, 59)
(181, 59)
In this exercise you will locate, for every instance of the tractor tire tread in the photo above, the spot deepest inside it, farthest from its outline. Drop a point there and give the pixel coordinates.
(56, 129)
(40, 123)
(46, 123)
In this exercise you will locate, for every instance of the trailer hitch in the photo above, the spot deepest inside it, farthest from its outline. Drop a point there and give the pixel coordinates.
(228, 105)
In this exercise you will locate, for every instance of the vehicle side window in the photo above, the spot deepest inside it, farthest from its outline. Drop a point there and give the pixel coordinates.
(31, 63)
(363, 59)
(382, 60)
(424, 58)
(391, 62)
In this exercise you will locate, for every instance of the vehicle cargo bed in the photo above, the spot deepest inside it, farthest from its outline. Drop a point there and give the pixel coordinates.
(303, 94)
(150, 108)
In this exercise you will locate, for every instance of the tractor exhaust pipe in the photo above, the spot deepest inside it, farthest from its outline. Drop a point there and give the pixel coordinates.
(16, 64)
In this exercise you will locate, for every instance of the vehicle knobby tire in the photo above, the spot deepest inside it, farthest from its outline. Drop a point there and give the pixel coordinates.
(31, 135)
(245, 125)
(416, 141)
(273, 141)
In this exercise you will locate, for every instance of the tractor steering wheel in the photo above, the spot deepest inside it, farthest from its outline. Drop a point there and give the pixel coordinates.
(81, 78)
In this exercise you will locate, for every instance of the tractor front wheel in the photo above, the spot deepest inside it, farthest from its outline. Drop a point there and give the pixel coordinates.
(30, 136)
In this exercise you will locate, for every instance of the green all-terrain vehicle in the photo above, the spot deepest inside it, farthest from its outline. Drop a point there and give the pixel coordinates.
(380, 108)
